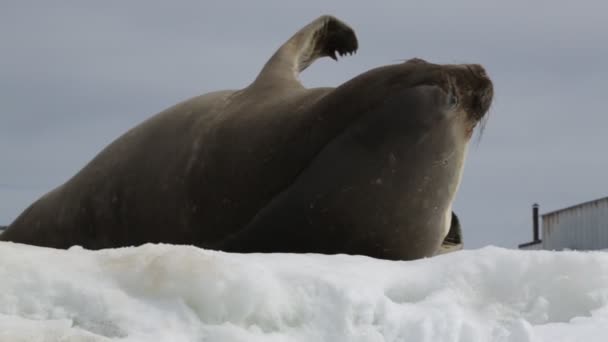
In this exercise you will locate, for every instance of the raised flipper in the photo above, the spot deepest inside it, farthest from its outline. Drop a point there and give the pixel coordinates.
(324, 37)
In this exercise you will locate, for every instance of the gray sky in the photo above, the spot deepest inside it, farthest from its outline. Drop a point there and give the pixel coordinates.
(74, 76)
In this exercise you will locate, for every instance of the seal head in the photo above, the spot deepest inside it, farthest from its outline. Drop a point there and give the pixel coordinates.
(384, 184)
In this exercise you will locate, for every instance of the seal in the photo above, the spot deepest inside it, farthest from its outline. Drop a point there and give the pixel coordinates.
(370, 167)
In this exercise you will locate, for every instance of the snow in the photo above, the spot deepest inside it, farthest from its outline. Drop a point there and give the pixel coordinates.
(183, 293)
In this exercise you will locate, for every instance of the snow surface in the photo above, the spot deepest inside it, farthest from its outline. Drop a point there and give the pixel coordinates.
(182, 293)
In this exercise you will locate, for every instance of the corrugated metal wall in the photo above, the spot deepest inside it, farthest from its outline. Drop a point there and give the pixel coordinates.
(584, 226)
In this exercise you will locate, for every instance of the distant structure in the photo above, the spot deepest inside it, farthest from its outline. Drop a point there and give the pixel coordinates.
(580, 227)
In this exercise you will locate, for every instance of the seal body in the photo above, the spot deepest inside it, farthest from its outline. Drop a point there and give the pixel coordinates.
(370, 167)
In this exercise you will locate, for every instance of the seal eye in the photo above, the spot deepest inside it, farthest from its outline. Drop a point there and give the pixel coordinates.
(452, 100)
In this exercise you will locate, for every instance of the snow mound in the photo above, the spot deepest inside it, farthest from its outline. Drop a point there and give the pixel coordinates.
(182, 293)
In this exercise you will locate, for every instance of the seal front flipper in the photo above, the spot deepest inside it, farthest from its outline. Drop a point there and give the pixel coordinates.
(324, 37)
(453, 241)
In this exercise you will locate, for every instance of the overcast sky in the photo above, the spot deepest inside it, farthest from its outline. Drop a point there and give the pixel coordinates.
(76, 75)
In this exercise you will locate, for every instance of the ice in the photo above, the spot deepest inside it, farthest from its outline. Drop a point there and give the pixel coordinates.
(183, 293)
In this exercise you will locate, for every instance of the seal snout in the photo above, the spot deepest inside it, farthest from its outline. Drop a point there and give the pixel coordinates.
(482, 90)
(474, 88)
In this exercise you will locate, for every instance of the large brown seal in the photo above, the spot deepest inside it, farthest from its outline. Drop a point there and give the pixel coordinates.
(370, 167)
